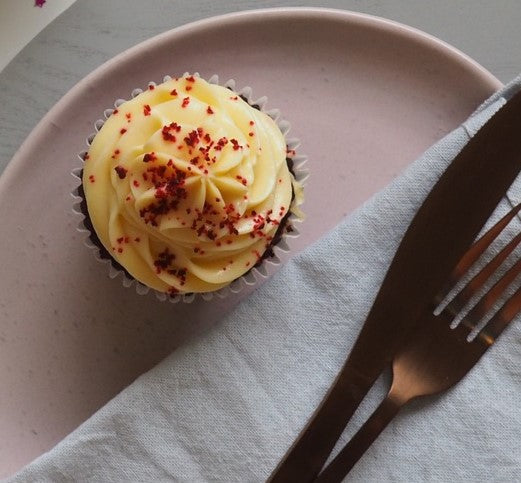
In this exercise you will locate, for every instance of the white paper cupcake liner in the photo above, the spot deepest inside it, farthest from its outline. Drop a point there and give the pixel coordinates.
(257, 273)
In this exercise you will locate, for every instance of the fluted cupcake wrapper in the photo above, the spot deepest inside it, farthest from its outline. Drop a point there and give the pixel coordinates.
(250, 278)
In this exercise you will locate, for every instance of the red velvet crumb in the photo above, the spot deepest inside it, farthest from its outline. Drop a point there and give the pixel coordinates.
(149, 157)
(121, 171)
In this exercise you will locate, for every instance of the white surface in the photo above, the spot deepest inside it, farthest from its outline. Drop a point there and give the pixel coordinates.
(226, 406)
(21, 21)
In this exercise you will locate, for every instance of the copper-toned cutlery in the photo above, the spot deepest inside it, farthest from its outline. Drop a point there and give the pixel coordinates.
(437, 356)
(442, 230)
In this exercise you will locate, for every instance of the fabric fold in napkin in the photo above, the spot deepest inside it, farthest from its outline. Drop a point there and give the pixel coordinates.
(226, 406)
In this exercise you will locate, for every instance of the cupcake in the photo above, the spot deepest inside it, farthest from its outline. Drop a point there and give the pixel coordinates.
(188, 186)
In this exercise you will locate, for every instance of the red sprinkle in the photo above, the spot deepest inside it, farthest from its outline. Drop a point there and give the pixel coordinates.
(169, 192)
(251, 134)
(168, 131)
(191, 79)
(242, 180)
(149, 157)
(192, 139)
(186, 101)
(115, 112)
(123, 131)
(122, 172)
(146, 110)
(173, 92)
(137, 239)
(164, 260)
(91, 178)
(188, 88)
(251, 123)
(136, 183)
(151, 87)
(209, 110)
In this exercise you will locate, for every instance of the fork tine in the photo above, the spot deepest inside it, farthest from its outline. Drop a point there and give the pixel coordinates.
(491, 297)
(475, 251)
(464, 296)
(501, 319)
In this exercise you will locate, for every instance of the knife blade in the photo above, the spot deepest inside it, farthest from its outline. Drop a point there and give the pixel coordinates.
(443, 228)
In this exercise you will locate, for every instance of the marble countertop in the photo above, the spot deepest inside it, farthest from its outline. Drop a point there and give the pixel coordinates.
(21, 21)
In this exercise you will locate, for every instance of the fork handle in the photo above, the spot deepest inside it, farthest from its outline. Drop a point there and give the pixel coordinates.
(337, 470)
(309, 453)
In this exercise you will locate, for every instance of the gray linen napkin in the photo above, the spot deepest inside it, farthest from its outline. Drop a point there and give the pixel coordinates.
(225, 407)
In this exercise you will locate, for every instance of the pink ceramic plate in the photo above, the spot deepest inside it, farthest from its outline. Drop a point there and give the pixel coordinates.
(365, 95)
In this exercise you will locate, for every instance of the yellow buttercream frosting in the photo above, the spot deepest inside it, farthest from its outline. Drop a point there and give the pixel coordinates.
(186, 185)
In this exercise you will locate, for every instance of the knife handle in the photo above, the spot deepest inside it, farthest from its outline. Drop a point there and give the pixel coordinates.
(310, 451)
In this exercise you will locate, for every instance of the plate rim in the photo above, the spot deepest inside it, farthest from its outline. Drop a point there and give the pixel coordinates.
(237, 17)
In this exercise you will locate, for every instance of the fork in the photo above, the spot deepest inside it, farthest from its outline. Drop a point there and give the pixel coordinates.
(438, 355)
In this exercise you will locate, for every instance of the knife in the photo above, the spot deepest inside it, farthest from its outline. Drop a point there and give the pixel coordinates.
(445, 225)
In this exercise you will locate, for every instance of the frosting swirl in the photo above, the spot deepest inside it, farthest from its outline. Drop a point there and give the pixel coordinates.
(186, 185)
